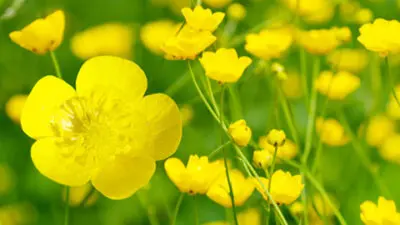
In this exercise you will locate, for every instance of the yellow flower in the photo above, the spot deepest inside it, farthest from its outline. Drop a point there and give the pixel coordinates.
(18, 214)
(312, 11)
(319, 206)
(241, 186)
(107, 39)
(78, 194)
(202, 19)
(268, 44)
(276, 138)
(7, 181)
(393, 108)
(42, 35)
(186, 114)
(347, 59)
(236, 12)
(285, 188)
(154, 34)
(251, 216)
(381, 36)
(384, 213)
(379, 128)
(363, 16)
(338, 86)
(217, 3)
(319, 42)
(389, 150)
(196, 177)
(262, 158)
(14, 107)
(106, 131)
(331, 132)
(224, 65)
(187, 44)
(291, 86)
(279, 70)
(288, 150)
(343, 34)
(297, 208)
(240, 132)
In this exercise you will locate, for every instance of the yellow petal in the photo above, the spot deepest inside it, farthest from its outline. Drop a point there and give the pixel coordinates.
(55, 161)
(46, 96)
(164, 123)
(174, 168)
(124, 176)
(113, 77)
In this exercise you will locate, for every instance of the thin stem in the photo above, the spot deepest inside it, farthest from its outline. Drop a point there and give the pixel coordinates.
(212, 98)
(271, 171)
(236, 108)
(151, 214)
(178, 84)
(218, 150)
(303, 74)
(315, 164)
(66, 212)
(56, 65)
(177, 206)
(391, 81)
(88, 195)
(196, 211)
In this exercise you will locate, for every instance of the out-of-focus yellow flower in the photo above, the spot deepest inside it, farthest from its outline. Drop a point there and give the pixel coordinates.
(251, 216)
(187, 44)
(320, 42)
(177, 5)
(196, 177)
(202, 19)
(351, 12)
(17, 214)
(106, 131)
(291, 86)
(343, 34)
(269, 44)
(347, 59)
(279, 70)
(389, 150)
(379, 128)
(78, 194)
(42, 35)
(187, 114)
(312, 11)
(14, 107)
(338, 86)
(320, 205)
(240, 132)
(288, 150)
(297, 208)
(285, 188)
(363, 16)
(276, 138)
(154, 34)
(107, 39)
(6, 179)
(242, 189)
(217, 3)
(236, 12)
(262, 158)
(224, 65)
(331, 132)
(379, 214)
(381, 36)
(393, 108)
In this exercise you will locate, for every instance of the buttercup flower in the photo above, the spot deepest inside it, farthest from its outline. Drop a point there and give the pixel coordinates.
(154, 34)
(312, 11)
(105, 132)
(187, 114)
(107, 39)
(217, 3)
(393, 108)
(379, 128)
(251, 216)
(224, 65)
(241, 186)
(381, 214)
(276, 138)
(285, 188)
(14, 107)
(364, 15)
(187, 44)
(389, 149)
(380, 36)
(269, 44)
(202, 19)
(343, 34)
(196, 177)
(338, 86)
(78, 194)
(262, 158)
(347, 59)
(318, 42)
(236, 12)
(288, 150)
(42, 35)
(331, 132)
(297, 208)
(291, 86)
(240, 132)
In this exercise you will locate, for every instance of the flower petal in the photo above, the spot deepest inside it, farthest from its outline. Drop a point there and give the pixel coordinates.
(165, 124)
(46, 96)
(114, 77)
(174, 168)
(55, 160)
(124, 176)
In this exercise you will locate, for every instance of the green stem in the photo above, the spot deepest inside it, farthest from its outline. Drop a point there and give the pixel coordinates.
(218, 150)
(236, 108)
(196, 211)
(303, 75)
(211, 95)
(318, 152)
(151, 214)
(56, 65)
(391, 81)
(271, 171)
(66, 212)
(177, 206)
(178, 84)
(88, 195)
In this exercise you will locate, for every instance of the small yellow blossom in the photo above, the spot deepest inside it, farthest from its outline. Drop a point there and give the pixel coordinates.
(288, 150)
(14, 107)
(242, 189)
(42, 35)
(240, 132)
(236, 12)
(343, 34)
(312, 11)
(379, 128)
(285, 188)
(224, 65)
(379, 214)
(338, 86)
(107, 39)
(18, 214)
(389, 150)
(347, 59)
(381, 36)
(187, 44)
(262, 158)
(320, 42)
(279, 70)
(106, 131)
(187, 114)
(276, 138)
(202, 19)
(196, 177)
(331, 132)
(154, 34)
(291, 86)
(393, 108)
(78, 194)
(363, 16)
(217, 3)
(319, 206)
(7, 181)
(269, 44)
(297, 208)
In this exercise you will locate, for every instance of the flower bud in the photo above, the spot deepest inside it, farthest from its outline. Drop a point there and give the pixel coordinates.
(276, 137)
(240, 132)
(262, 158)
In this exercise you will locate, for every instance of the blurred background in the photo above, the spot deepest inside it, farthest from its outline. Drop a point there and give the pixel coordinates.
(27, 197)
